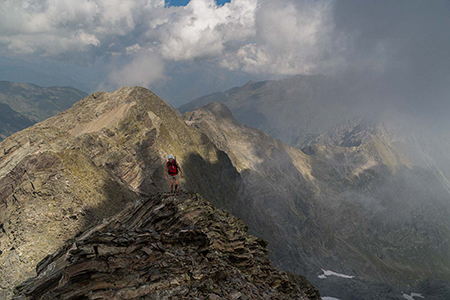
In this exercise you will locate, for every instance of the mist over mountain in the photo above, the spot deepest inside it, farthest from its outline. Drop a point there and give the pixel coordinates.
(355, 200)
(373, 166)
(295, 110)
(299, 109)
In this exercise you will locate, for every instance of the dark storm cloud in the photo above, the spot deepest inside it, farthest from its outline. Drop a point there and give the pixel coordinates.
(400, 50)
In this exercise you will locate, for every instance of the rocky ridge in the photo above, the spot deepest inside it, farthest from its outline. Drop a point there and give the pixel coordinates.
(164, 247)
(68, 172)
(352, 208)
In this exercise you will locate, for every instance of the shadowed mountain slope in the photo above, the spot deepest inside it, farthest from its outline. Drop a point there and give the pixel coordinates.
(353, 201)
(165, 247)
(11, 121)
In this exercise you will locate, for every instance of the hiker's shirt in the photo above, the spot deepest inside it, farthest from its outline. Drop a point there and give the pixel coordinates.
(172, 169)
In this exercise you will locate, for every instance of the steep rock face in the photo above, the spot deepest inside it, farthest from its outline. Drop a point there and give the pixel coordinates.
(351, 202)
(38, 103)
(64, 174)
(165, 247)
(277, 176)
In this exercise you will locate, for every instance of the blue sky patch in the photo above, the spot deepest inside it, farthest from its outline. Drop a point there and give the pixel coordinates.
(185, 2)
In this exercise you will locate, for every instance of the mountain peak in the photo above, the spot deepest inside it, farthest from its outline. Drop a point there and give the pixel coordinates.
(86, 163)
(105, 110)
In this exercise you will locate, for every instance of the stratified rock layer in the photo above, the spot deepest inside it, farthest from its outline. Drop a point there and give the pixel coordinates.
(167, 247)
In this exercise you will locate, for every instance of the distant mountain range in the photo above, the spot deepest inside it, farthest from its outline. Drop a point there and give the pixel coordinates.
(25, 104)
(11, 121)
(42, 73)
(295, 109)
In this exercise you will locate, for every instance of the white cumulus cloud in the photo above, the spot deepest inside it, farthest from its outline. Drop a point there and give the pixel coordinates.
(143, 70)
(203, 29)
(291, 37)
(280, 37)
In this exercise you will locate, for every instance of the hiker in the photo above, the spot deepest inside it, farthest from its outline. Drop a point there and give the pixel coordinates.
(171, 169)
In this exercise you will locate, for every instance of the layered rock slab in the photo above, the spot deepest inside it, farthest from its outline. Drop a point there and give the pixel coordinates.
(166, 247)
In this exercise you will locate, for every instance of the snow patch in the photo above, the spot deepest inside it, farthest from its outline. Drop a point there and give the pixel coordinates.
(411, 297)
(330, 298)
(327, 273)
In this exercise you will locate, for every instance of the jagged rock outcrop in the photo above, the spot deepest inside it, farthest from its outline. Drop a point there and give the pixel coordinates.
(165, 247)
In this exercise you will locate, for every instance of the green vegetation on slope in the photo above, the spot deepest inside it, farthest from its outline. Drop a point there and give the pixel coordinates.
(38, 103)
(11, 121)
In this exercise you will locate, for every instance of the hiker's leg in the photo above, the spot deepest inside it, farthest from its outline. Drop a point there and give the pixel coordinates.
(171, 185)
(176, 185)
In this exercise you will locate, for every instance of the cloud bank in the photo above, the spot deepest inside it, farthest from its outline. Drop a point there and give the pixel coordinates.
(255, 36)
(395, 51)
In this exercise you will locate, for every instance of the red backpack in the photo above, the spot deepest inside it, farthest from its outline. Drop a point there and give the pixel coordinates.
(172, 167)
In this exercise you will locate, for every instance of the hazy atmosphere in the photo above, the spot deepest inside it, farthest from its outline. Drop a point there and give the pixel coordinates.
(388, 52)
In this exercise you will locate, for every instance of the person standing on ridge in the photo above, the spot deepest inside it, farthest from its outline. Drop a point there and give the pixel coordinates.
(171, 169)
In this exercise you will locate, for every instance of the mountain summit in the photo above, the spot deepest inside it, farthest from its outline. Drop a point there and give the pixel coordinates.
(64, 174)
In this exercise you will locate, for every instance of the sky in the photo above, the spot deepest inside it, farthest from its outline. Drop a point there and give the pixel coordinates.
(390, 51)
(185, 2)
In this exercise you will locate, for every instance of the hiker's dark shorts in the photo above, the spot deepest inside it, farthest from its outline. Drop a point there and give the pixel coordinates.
(173, 177)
